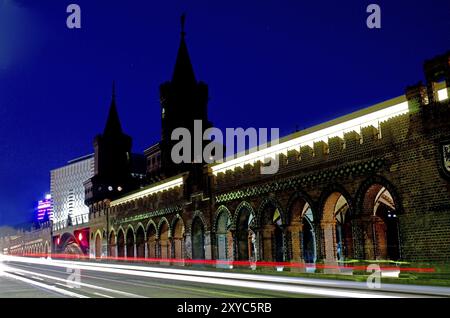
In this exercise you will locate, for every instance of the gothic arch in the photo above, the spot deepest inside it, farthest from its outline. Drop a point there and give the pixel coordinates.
(379, 232)
(265, 203)
(99, 232)
(132, 229)
(121, 242)
(151, 223)
(245, 239)
(329, 191)
(221, 209)
(198, 230)
(365, 186)
(241, 206)
(140, 225)
(178, 237)
(303, 225)
(270, 221)
(294, 198)
(112, 242)
(160, 223)
(222, 234)
(98, 244)
(164, 238)
(336, 213)
(140, 241)
(176, 219)
(120, 229)
(130, 241)
(198, 214)
(46, 248)
(152, 236)
(69, 245)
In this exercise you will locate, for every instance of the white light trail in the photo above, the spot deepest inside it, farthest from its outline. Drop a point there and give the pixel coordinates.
(39, 284)
(187, 276)
(21, 271)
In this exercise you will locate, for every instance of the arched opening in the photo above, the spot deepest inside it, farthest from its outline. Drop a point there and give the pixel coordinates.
(198, 239)
(223, 236)
(302, 232)
(69, 245)
(112, 245)
(164, 244)
(120, 244)
(46, 249)
(380, 224)
(308, 236)
(178, 239)
(98, 246)
(245, 237)
(130, 243)
(272, 234)
(151, 241)
(336, 226)
(140, 243)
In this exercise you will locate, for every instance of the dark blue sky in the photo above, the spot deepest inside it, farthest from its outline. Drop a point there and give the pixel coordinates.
(278, 63)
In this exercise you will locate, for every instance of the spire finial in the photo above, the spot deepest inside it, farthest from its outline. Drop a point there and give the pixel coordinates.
(183, 20)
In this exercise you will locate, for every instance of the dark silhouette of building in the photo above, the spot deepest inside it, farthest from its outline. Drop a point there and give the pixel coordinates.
(117, 171)
(183, 100)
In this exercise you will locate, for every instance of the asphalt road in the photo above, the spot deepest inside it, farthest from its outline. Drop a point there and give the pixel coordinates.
(33, 277)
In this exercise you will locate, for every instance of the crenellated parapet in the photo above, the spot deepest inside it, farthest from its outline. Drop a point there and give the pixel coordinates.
(156, 197)
(355, 145)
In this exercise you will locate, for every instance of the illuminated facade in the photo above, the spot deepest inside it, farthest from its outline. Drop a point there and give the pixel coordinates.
(372, 185)
(67, 191)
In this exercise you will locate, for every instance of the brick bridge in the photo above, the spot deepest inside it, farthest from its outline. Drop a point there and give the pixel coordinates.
(370, 185)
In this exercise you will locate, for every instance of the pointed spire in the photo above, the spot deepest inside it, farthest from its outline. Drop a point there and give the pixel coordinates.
(183, 21)
(113, 126)
(183, 73)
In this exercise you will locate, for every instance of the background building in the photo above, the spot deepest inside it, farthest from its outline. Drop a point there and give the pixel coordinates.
(67, 192)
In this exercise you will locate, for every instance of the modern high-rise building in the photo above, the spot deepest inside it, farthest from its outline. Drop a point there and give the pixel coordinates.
(67, 192)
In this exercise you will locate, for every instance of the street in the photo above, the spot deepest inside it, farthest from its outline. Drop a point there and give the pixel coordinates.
(39, 277)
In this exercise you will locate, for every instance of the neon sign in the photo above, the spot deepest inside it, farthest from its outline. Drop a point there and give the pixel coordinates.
(44, 209)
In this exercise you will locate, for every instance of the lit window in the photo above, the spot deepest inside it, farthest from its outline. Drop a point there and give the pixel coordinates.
(442, 94)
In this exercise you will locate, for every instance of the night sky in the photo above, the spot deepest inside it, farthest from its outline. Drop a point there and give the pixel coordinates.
(268, 64)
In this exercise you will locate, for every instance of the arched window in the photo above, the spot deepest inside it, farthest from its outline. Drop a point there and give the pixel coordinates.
(223, 236)
(381, 230)
(198, 239)
(337, 232)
